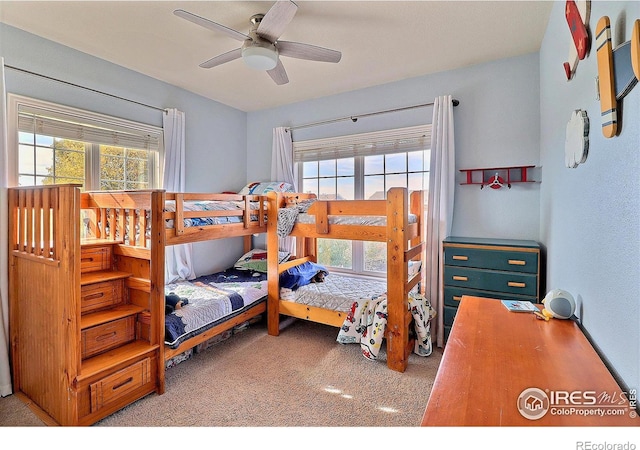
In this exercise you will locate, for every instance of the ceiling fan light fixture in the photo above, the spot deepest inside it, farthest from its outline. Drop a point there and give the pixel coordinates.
(260, 58)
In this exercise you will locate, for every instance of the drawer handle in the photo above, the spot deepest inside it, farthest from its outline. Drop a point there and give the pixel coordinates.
(457, 298)
(124, 383)
(516, 284)
(517, 262)
(90, 259)
(460, 258)
(94, 296)
(460, 278)
(102, 337)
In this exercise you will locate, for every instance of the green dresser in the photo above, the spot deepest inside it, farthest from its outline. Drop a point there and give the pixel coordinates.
(493, 268)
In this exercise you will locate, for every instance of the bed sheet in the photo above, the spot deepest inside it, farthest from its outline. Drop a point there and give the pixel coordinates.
(337, 292)
(210, 205)
(211, 300)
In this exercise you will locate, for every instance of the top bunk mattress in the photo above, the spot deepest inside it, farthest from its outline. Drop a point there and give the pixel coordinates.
(210, 205)
(351, 220)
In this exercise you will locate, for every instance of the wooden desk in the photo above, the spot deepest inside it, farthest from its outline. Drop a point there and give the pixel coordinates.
(493, 355)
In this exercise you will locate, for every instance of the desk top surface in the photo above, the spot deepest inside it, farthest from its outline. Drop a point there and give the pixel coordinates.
(502, 368)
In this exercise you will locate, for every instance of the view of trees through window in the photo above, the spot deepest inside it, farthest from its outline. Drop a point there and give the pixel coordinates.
(46, 160)
(356, 178)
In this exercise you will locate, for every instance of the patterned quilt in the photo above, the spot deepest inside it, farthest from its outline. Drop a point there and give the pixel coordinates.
(366, 322)
(211, 300)
(208, 205)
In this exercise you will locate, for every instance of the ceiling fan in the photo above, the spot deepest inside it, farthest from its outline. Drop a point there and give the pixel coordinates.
(261, 48)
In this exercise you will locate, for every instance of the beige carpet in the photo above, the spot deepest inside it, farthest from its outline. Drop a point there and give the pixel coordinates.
(302, 378)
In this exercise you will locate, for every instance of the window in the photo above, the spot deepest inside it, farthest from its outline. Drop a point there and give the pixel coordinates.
(358, 167)
(58, 144)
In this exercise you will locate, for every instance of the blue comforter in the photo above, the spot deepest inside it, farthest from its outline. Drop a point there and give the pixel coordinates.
(301, 275)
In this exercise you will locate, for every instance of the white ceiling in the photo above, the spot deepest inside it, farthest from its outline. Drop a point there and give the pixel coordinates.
(380, 41)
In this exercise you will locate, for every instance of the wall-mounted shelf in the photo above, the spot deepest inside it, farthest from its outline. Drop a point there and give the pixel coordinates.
(497, 177)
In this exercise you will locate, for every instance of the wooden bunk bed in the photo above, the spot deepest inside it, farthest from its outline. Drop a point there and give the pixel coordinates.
(404, 239)
(86, 297)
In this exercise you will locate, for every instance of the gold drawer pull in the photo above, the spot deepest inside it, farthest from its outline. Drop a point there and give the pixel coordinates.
(516, 284)
(457, 298)
(459, 278)
(517, 262)
(460, 258)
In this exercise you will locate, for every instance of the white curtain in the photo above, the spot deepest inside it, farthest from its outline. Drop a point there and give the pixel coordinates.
(282, 169)
(178, 258)
(440, 207)
(5, 372)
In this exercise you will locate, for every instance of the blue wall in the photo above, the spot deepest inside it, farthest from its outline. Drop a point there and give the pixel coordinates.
(496, 124)
(213, 130)
(590, 220)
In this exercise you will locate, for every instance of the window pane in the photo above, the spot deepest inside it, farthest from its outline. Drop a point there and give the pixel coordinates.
(375, 256)
(46, 141)
(415, 181)
(310, 186)
(346, 167)
(69, 165)
(310, 169)
(396, 163)
(327, 188)
(26, 160)
(25, 138)
(335, 253)
(26, 180)
(373, 164)
(415, 161)
(44, 161)
(399, 180)
(327, 168)
(374, 187)
(346, 188)
(124, 168)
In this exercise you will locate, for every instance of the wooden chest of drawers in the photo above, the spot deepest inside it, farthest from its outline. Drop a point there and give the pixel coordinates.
(490, 268)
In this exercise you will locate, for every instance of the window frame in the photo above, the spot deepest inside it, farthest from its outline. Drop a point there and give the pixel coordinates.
(92, 152)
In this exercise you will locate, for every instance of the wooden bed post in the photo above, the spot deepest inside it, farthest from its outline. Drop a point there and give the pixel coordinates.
(273, 287)
(397, 303)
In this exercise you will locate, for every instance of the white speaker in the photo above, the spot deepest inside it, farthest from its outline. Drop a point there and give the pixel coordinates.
(559, 303)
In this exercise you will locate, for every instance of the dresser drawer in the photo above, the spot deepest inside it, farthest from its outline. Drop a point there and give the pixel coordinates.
(95, 258)
(101, 295)
(508, 260)
(107, 336)
(116, 386)
(492, 280)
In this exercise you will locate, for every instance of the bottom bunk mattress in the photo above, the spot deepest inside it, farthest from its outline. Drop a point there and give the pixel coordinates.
(337, 292)
(210, 300)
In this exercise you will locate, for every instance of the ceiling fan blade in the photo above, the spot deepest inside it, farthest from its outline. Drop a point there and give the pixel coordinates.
(276, 20)
(307, 51)
(210, 25)
(221, 59)
(278, 74)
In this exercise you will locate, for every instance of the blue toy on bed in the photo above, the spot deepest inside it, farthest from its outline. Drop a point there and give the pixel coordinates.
(302, 275)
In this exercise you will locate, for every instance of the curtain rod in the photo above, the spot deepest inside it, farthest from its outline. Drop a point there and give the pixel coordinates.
(81, 87)
(355, 118)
